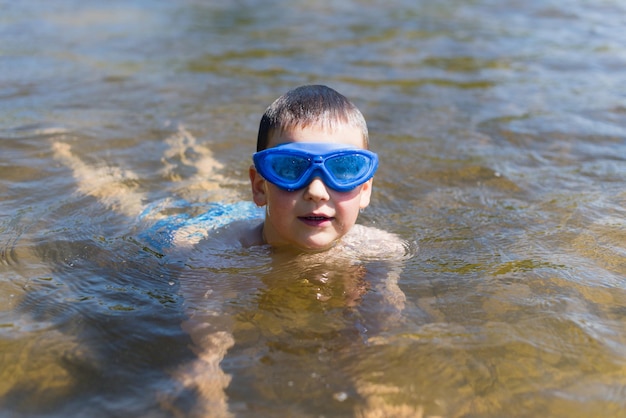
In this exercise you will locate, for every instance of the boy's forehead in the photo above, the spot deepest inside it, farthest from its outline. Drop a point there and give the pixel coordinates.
(342, 134)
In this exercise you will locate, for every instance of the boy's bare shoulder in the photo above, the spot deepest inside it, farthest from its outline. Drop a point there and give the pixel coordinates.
(367, 242)
(238, 234)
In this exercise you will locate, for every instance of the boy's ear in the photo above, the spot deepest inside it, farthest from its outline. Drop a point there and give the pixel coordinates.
(366, 193)
(257, 183)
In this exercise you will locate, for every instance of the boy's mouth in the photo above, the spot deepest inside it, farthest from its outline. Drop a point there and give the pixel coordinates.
(315, 219)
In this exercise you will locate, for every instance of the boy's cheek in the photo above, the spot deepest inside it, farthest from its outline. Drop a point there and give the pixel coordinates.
(361, 195)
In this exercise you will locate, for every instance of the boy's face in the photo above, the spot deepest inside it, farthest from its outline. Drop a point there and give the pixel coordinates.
(316, 216)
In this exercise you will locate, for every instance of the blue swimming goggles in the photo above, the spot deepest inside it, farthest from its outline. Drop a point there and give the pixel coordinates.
(293, 165)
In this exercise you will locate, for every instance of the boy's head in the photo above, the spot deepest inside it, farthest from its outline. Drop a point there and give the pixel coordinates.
(315, 106)
(312, 148)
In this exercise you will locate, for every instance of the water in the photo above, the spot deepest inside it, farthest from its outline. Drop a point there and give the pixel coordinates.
(501, 128)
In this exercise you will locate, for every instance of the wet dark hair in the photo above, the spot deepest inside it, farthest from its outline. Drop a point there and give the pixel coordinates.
(306, 106)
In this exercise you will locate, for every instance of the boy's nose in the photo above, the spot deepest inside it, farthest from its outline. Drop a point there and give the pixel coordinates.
(316, 190)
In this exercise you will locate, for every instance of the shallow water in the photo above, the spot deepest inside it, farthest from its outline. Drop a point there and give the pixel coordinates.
(501, 128)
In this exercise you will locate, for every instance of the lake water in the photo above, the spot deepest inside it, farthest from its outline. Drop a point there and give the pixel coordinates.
(501, 127)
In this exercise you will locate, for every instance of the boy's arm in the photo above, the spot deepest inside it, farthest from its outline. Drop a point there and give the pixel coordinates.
(385, 254)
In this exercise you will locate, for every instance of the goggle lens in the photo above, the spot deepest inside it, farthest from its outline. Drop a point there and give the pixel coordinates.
(288, 167)
(346, 168)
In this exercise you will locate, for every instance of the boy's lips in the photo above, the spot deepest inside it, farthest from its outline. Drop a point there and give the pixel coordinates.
(315, 219)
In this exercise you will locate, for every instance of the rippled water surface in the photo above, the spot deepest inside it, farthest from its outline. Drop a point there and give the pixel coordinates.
(501, 127)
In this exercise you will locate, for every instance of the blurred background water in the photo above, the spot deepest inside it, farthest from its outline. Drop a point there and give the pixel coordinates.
(501, 127)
